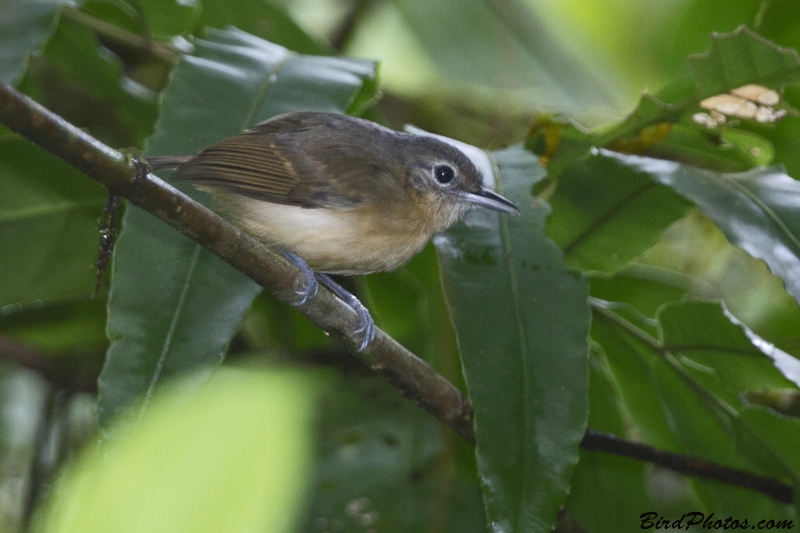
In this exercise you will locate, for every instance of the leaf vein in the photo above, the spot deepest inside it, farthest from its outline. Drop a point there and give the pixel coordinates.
(608, 215)
(508, 253)
(772, 215)
(269, 80)
(168, 338)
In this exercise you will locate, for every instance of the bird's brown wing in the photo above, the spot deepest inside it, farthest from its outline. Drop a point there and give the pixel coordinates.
(289, 160)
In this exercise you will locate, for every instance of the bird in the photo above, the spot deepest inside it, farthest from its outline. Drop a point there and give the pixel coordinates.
(336, 194)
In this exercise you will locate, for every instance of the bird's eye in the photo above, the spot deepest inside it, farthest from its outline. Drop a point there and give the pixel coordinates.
(444, 173)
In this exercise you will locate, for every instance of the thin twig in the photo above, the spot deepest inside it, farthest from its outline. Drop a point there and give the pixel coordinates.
(47, 450)
(113, 33)
(342, 34)
(688, 465)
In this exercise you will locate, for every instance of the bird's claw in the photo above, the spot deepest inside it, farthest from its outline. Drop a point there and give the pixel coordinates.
(366, 324)
(308, 291)
(310, 285)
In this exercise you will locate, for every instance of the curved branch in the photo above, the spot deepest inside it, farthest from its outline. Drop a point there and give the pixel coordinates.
(121, 175)
(413, 377)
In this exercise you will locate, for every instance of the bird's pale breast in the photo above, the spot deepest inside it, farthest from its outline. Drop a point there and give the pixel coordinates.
(333, 241)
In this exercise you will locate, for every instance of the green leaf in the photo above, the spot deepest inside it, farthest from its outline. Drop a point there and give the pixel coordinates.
(605, 214)
(781, 432)
(120, 13)
(236, 80)
(629, 365)
(93, 91)
(68, 328)
(644, 288)
(25, 26)
(610, 486)
(522, 323)
(756, 210)
(673, 407)
(709, 335)
(740, 58)
(735, 59)
(754, 148)
(261, 18)
(706, 427)
(233, 456)
(507, 46)
(168, 18)
(48, 226)
(174, 306)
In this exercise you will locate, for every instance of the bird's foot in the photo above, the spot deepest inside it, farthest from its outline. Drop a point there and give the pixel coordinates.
(310, 285)
(366, 323)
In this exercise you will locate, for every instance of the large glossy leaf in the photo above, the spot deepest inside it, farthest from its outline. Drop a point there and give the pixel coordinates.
(781, 432)
(167, 18)
(48, 227)
(741, 58)
(617, 488)
(706, 427)
(507, 45)
(696, 255)
(757, 210)
(233, 457)
(25, 26)
(605, 214)
(261, 18)
(678, 409)
(641, 288)
(628, 363)
(522, 323)
(173, 306)
(662, 125)
(706, 333)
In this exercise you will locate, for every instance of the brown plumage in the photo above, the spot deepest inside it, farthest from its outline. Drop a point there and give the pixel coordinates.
(346, 195)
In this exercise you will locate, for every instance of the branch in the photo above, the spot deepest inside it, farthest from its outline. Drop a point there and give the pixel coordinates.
(342, 34)
(413, 377)
(688, 465)
(161, 51)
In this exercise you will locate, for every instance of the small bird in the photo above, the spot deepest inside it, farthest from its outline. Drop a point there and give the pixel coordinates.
(337, 194)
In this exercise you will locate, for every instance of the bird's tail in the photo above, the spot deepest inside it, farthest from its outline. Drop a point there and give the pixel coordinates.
(167, 162)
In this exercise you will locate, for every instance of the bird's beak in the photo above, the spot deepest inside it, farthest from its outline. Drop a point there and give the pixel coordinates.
(490, 200)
